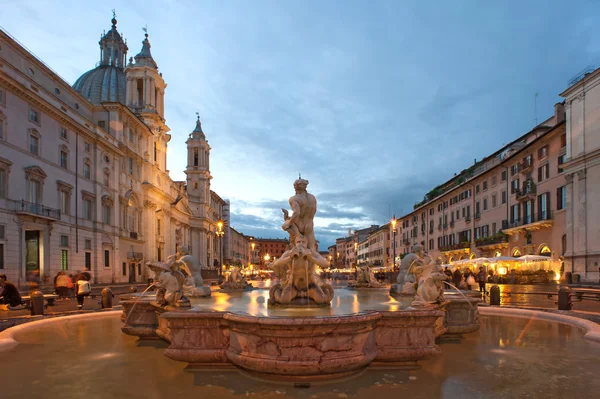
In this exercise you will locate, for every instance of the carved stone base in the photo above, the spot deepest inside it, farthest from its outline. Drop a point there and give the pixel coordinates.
(462, 315)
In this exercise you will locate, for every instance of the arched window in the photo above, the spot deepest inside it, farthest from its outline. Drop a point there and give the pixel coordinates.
(472, 256)
(545, 251)
(516, 252)
(497, 254)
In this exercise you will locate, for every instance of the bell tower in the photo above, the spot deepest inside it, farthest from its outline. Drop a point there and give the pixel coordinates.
(145, 85)
(198, 170)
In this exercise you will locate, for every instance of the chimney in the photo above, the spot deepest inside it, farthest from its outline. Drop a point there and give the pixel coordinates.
(559, 112)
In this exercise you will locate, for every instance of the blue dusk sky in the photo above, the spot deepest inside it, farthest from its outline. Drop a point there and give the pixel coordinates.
(374, 102)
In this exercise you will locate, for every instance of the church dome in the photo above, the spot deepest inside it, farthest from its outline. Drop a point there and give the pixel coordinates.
(104, 83)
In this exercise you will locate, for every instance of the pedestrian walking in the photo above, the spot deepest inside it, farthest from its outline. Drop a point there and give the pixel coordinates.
(448, 274)
(481, 280)
(469, 279)
(83, 288)
(70, 286)
(456, 278)
(62, 285)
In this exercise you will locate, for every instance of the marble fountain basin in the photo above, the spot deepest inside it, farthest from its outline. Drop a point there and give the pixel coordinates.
(296, 344)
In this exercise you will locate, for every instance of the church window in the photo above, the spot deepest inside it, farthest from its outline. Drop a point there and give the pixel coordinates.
(195, 156)
(140, 92)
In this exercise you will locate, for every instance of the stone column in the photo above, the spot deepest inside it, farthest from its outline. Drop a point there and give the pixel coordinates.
(582, 219)
(150, 230)
(202, 247)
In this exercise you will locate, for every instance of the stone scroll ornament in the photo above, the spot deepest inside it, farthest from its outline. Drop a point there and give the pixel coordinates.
(300, 284)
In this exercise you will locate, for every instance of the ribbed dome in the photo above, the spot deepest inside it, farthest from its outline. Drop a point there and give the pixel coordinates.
(104, 83)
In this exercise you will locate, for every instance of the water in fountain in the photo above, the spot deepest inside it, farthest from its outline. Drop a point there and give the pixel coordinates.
(137, 299)
(461, 293)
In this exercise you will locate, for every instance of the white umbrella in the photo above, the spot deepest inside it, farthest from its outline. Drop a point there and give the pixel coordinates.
(503, 259)
(534, 258)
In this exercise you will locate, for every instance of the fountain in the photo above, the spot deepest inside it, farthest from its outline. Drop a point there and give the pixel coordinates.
(235, 281)
(302, 337)
(365, 280)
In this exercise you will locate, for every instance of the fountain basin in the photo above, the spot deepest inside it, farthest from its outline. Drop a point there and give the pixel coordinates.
(288, 347)
(323, 347)
(404, 337)
(462, 315)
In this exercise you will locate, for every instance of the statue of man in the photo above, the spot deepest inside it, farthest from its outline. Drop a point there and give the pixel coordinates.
(304, 207)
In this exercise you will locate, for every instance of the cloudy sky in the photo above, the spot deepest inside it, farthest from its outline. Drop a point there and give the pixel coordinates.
(374, 102)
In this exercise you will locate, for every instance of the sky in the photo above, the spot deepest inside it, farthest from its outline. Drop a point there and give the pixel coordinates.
(374, 102)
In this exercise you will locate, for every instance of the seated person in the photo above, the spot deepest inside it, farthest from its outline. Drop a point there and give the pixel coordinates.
(10, 294)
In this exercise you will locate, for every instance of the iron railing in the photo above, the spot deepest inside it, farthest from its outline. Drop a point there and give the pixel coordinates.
(30, 208)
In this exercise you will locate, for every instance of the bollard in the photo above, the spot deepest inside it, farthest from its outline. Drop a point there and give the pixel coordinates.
(37, 303)
(564, 298)
(495, 295)
(568, 278)
(107, 297)
(133, 289)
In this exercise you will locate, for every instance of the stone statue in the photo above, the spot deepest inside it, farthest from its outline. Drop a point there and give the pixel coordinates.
(417, 254)
(169, 280)
(235, 281)
(304, 207)
(193, 286)
(365, 279)
(431, 283)
(301, 284)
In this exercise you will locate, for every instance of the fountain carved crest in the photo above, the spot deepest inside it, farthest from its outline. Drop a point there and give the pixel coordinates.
(300, 284)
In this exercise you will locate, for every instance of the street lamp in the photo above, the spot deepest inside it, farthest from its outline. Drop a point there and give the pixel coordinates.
(394, 221)
(220, 233)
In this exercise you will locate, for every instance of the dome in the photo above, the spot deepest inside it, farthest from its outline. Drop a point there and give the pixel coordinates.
(105, 83)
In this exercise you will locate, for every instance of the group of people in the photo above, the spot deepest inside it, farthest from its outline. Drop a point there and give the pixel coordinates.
(467, 279)
(65, 286)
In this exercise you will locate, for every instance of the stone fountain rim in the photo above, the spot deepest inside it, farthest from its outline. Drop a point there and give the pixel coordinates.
(364, 316)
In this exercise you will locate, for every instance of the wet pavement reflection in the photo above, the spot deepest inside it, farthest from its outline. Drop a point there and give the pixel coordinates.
(507, 358)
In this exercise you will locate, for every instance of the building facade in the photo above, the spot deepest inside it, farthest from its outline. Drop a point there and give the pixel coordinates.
(269, 249)
(511, 203)
(582, 171)
(238, 253)
(83, 170)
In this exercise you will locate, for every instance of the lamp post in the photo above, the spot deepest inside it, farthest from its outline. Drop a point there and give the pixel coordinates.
(220, 233)
(394, 221)
(252, 245)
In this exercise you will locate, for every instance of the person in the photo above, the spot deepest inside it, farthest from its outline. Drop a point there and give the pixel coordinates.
(456, 278)
(10, 294)
(62, 285)
(448, 274)
(469, 279)
(481, 277)
(33, 280)
(82, 287)
(70, 286)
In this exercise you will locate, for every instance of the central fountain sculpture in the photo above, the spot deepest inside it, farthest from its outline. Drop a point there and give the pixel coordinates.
(290, 347)
(235, 281)
(300, 284)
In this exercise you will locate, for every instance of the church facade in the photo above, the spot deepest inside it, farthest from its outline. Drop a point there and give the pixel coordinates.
(83, 170)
